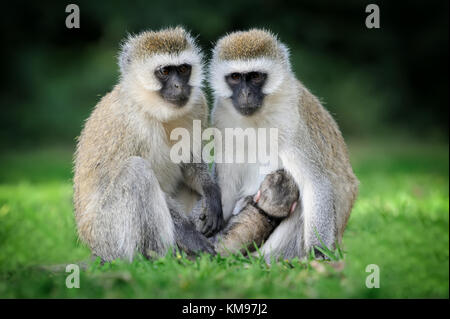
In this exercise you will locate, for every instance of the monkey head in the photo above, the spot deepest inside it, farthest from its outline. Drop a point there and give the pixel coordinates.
(163, 71)
(247, 67)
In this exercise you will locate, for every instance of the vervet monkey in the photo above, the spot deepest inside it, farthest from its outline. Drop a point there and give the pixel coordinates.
(256, 217)
(254, 87)
(129, 196)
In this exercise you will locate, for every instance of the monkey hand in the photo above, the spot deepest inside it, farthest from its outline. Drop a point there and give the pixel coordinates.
(195, 243)
(191, 241)
(278, 194)
(211, 216)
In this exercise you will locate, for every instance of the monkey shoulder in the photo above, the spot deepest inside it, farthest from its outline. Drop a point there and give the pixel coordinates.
(326, 136)
(322, 128)
(105, 139)
(200, 110)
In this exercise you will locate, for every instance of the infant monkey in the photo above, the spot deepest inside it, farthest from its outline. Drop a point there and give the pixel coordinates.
(254, 218)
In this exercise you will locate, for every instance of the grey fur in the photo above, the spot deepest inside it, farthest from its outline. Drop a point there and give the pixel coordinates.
(278, 192)
(133, 215)
(254, 222)
(249, 227)
(129, 195)
(310, 145)
(137, 216)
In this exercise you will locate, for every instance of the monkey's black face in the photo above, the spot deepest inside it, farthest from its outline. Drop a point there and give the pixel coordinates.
(247, 95)
(175, 83)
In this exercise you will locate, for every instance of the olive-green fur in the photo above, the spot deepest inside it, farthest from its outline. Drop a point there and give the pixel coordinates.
(246, 45)
(165, 41)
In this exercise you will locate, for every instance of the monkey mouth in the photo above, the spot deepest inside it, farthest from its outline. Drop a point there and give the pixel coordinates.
(178, 101)
(247, 111)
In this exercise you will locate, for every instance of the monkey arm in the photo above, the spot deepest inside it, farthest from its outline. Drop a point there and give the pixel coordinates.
(249, 227)
(197, 177)
(187, 237)
(317, 200)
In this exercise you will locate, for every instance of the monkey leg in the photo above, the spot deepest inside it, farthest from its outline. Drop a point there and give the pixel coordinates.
(250, 226)
(278, 194)
(133, 215)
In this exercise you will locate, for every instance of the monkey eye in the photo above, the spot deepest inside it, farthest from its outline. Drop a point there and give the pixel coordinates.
(255, 76)
(184, 68)
(164, 71)
(235, 76)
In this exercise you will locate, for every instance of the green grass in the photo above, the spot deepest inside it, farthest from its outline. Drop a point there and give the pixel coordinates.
(400, 223)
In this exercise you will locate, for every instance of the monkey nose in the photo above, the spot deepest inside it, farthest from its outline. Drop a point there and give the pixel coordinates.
(176, 85)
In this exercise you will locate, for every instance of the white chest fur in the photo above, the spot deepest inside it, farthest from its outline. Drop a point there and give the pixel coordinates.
(238, 180)
(156, 150)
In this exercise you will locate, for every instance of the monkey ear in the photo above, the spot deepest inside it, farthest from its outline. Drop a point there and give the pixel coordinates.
(285, 55)
(124, 58)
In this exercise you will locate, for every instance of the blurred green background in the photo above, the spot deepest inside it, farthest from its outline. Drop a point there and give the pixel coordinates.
(387, 88)
(391, 80)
